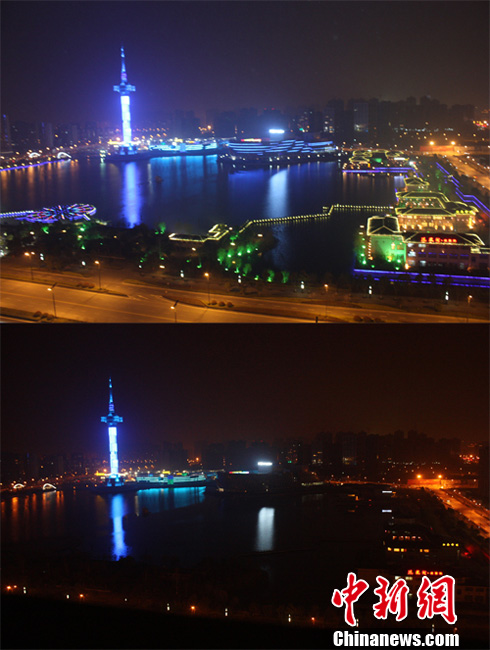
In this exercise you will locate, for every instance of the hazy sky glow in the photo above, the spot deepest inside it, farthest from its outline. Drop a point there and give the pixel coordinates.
(61, 59)
(240, 382)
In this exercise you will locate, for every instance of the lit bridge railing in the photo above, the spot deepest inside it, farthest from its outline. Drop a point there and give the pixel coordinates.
(327, 212)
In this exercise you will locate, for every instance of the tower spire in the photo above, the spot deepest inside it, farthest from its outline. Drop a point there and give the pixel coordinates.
(111, 400)
(124, 76)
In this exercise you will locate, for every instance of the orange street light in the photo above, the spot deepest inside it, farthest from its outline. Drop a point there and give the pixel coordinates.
(54, 302)
(29, 255)
(206, 275)
(98, 264)
(174, 307)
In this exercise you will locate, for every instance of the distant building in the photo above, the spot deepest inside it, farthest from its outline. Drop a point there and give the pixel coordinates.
(483, 472)
(24, 136)
(213, 456)
(360, 117)
(333, 120)
(45, 133)
(91, 132)
(5, 135)
(186, 125)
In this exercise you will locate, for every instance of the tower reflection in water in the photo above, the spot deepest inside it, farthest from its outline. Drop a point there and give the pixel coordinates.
(119, 547)
(131, 195)
(264, 540)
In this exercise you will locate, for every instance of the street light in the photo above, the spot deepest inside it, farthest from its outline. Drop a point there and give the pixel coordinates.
(325, 286)
(470, 298)
(174, 307)
(54, 302)
(206, 275)
(98, 264)
(29, 255)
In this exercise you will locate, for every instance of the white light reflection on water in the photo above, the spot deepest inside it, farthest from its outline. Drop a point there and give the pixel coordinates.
(119, 547)
(277, 199)
(131, 195)
(264, 540)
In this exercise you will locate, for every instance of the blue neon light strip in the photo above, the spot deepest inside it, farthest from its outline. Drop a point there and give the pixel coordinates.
(465, 197)
(47, 162)
(377, 170)
(485, 281)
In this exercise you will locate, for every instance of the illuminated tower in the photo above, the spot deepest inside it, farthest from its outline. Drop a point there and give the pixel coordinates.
(112, 419)
(124, 89)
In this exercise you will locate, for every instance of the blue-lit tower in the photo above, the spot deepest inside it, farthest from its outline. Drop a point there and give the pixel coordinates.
(112, 419)
(124, 89)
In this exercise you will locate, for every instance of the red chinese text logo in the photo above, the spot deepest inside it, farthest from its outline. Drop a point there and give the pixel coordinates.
(394, 600)
(432, 598)
(349, 595)
(437, 598)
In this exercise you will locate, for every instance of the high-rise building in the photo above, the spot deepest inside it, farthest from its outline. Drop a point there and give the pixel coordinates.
(360, 109)
(45, 134)
(6, 136)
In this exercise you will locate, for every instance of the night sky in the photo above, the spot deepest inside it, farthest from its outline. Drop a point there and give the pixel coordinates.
(211, 383)
(61, 59)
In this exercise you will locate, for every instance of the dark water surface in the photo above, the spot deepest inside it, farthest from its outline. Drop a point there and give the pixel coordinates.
(195, 193)
(304, 539)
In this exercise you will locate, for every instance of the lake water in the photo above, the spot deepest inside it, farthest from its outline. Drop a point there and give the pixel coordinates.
(300, 540)
(196, 193)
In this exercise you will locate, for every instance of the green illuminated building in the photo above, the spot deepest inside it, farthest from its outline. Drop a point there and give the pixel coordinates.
(386, 241)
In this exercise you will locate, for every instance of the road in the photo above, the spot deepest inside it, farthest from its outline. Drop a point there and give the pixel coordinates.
(140, 306)
(471, 511)
(151, 304)
(470, 168)
(150, 299)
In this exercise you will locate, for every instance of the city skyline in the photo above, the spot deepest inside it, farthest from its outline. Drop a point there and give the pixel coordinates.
(237, 382)
(214, 55)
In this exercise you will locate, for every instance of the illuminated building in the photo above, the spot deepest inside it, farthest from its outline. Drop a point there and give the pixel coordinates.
(254, 152)
(419, 198)
(415, 183)
(112, 419)
(433, 211)
(377, 160)
(124, 89)
(187, 148)
(451, 217)
(455, 252)
(385, 240)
